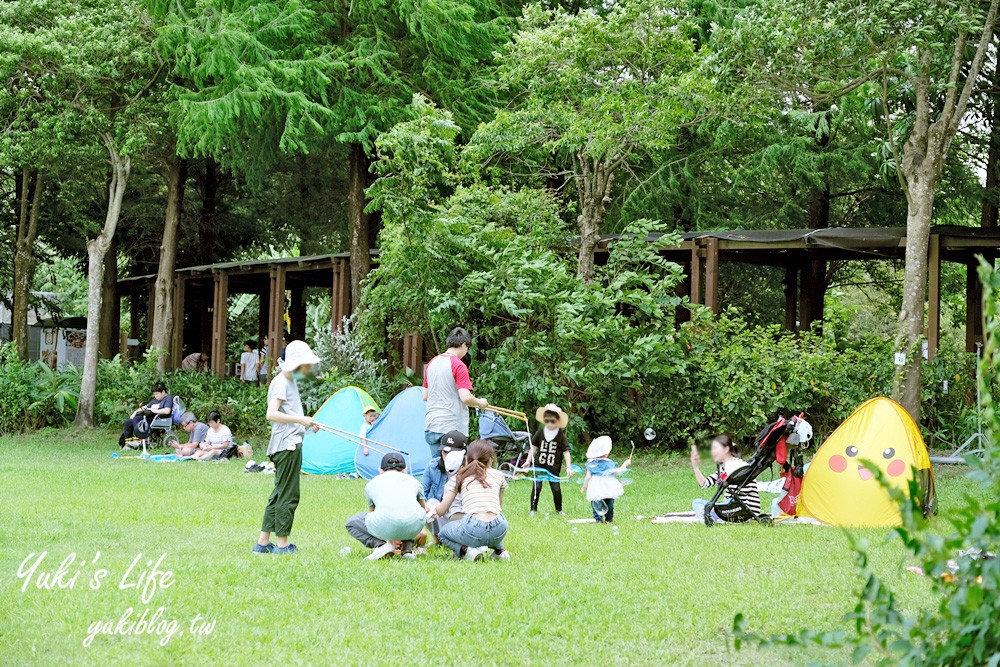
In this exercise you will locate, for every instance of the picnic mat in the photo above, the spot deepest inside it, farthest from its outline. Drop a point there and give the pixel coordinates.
(690, 517)
(158, 458)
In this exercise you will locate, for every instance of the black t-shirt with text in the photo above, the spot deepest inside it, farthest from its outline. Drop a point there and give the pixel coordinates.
(550, 453)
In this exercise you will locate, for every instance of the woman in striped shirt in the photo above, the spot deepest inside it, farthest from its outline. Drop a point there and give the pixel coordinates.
(726, 457)
(481, 487)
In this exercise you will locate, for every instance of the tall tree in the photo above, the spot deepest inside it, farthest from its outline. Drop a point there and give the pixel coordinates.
(163, 288)
(594, 93)
(386, 51)
(24, 256)
(922, 63)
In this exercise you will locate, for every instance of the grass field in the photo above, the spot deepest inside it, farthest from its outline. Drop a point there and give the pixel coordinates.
(646, 594)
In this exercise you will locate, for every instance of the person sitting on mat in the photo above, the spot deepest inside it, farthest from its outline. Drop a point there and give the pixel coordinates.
(601, 485)
(197, 432)
(549, 448)
(396, 511)
(725, 454)
(217, 440)
(484, 526)
(137, 425)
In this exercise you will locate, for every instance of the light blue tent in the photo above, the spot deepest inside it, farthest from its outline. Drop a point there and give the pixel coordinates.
(325, 453)
(401, 426)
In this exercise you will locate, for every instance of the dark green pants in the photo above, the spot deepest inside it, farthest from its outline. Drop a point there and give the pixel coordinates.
(280, 511)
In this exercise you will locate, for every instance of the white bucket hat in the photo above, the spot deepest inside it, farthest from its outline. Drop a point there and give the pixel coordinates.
(297, 354)
(552, 407)
(599, 447)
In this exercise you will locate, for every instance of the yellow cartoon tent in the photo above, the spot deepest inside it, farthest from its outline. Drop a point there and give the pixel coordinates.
(838, 490)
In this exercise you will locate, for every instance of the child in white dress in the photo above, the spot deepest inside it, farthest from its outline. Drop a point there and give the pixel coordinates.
(601, 485)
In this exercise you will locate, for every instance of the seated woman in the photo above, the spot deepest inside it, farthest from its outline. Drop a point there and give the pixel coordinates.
(726, 457)
(136, 427)
(217, 440)
(481, 487)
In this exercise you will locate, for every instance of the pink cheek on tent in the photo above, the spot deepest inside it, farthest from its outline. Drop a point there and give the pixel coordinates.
(896, 468)
(838, 463)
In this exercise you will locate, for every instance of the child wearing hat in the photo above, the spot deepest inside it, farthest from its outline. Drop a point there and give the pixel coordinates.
(601, 486)
(549, 448)
(397, 511)
(288, 425)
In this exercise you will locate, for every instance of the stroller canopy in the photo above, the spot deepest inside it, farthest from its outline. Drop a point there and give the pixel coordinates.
(325, 453)
(838, 490)
(493, 426)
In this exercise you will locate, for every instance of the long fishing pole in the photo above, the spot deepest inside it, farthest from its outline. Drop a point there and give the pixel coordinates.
(364, 442)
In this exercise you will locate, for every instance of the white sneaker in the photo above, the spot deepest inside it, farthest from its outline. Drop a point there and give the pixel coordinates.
(563, 514)
(409, 555)
(474, 553)
(532, 513)
(503, 555)
(381, 552)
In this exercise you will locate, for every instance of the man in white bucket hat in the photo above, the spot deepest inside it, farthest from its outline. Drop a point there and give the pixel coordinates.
(288, 425)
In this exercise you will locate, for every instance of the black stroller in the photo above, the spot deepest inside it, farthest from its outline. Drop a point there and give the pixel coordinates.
(770, 445)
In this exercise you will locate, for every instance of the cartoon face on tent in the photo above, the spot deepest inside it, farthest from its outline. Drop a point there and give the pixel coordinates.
(839, 490)
(325, 453)
(399, 428)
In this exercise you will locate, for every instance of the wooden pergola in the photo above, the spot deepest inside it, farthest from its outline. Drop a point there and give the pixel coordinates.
(702, 253)
(201, 293)
(201, 300)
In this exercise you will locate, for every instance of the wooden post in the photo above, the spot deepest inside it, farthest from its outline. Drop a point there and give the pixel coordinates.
(177, 342)
(973, 307)
(413, 346)
(340, 292)
(695, 271)
(712, 275)
(276, 315)
(116, 323)
(933, 295)
(791, 297)
(263, 317)
(220, 323)
(297, 312)
(133, 315)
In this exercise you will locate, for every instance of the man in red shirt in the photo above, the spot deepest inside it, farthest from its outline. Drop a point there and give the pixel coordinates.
(448, 391)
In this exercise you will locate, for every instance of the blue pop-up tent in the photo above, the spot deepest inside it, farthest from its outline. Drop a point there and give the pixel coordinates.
(325, 453)
(401, 426)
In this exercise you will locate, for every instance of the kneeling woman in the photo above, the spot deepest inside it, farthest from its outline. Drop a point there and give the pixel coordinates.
(481, 487)
(726, 457)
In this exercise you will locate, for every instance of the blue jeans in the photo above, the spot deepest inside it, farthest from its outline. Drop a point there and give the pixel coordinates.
(434, 441)
(472, 532)
(608, 504)
(699, 509)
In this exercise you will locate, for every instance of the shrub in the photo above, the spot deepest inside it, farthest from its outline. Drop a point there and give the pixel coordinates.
(32, 395)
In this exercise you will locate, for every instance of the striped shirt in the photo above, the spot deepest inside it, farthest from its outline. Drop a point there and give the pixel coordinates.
(478, 498)
(748, 494)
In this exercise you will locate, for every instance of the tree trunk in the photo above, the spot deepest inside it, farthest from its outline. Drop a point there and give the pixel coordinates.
(991, 194)
(813, 290)
(97, 249)
(163, 311)
(594, 179)
(24, 259)
(919, 212)
(110, 313)
(361, 262)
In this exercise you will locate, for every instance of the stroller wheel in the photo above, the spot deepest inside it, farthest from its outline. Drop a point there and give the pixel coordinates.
(765, 520)
(171, 440)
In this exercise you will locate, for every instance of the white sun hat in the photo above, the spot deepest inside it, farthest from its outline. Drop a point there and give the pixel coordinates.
(599, 447)
(297, 354)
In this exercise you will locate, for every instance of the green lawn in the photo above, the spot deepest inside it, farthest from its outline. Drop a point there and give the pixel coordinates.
(645, 594)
